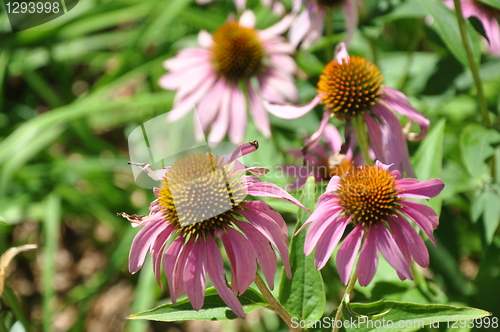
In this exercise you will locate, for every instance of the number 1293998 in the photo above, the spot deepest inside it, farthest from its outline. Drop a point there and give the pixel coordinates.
(32, 7)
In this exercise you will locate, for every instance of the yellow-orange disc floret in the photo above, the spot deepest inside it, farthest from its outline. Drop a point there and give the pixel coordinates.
(199, 194)
(368, 194)
(237, 51)
(351, 87)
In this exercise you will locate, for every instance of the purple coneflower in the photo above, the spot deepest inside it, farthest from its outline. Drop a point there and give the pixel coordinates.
(487, 16)
(234, 64)
(351, 86)
(323, 161)
(373, 200)
(200, 202)
(309, 24)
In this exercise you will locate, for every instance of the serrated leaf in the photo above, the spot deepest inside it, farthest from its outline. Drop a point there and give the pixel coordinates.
(410, 315)
(214, 308)
(428, 160)
(446, 25)
(475, 146)
(304, 295)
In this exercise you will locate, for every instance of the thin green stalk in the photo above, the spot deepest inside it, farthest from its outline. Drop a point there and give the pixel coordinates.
(359, 126)
(3, 328)
(345, 298)
(14, 305)
(473, 67)
(275, 305)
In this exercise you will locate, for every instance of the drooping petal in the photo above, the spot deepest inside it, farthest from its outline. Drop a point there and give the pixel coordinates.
(428, 212)
(238, 118)
(277, 29)
(333, 184)
(141, 244)
(262, 249)
(215, 269)
(350, 9)
(415, 243)
(299, 28)
(267, 189)
(398, 101)
(169, 259)
(368, 258)
(328, 241)
(400, 238)
(332, 138)
(391, 252)
(376, 138)
(247, 19)
(268, 227)
(194, 275)
(241, 150)
(422, 221)
(259, 114)
(289, 111)
(313, 141)
(157, 250)
(221, 123)
(422, 189)
(244, 259)
(347, 253)
(317, 229)
(341, 54)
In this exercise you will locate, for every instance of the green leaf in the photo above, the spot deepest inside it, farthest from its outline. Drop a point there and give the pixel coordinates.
(214, 308)
(475, 145)
(446, 25)
(428, 160)
(486, 204)
(492, 3)
(410, 315)
(304, 295)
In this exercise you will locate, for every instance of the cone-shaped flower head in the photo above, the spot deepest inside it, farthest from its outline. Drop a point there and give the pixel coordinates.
(236, 66)
(351, 86)
(200, 203)
(374, 201)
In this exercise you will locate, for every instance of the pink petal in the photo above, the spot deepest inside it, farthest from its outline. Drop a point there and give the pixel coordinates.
(240, 151)
(209, 106)
(316, 30)
(423, 189)
(299, 28)
(259, 114)
(418, 218)
(200, 92)
(328, 241)
(193, 79)
(398, 101)
(317, 229)
(374, 131)
(215, 269)
(368, 258)
(205, 39)
(157, 250)
(262, 249)
(245, 259)
(391, 252)
(238, 119)
(350, 9)
(267, 189)
(312, 141)
(428, 212)
(333, 185)
(341, 54)
(194, 275)
(141, 244)
(291, 112)
(400, 238)
(415, 243)
(268, 227)
(492, 30)
(283, 63)
(219, 126)
(325, 208)
(263, 207)
(347, 253)
(169, 260)
(277, 29)
(247, 19)
(332, 138)
(382, 165)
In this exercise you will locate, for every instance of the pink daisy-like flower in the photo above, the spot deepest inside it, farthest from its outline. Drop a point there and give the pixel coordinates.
(323, 161)
(374, 200)
(200, 202)
(487, 16)
(235, 64)
(309, 24)
(351, 86)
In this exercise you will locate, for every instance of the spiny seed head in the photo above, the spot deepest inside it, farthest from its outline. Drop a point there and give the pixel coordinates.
(199, 194)
(351, 87)
(368, 194)
(237, 51)
(329, 3)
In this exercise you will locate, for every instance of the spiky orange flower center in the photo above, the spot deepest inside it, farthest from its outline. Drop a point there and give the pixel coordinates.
(199, 195)
(351, 87)
(368, 194)
(237, 51)
(329, 3)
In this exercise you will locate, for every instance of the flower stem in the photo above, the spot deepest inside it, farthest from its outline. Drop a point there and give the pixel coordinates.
(359, 126)
(275, 305)
(345, 298)
(473, 67)
(15, 306)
